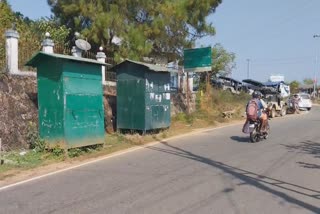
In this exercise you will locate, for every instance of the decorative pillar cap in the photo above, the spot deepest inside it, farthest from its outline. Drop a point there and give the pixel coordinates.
(100, 54)
(11, 33)
(47, 42)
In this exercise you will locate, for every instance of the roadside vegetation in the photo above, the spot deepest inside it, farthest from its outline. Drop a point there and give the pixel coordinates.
(209, 109)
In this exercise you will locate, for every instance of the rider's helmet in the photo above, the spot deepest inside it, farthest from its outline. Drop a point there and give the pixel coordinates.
(256, 95)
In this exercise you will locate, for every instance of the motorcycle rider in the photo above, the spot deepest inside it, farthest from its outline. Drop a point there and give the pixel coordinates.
(261, 105)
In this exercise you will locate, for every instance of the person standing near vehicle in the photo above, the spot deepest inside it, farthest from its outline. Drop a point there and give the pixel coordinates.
(295, 101)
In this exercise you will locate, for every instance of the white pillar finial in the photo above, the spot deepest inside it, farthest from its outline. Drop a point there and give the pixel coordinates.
(47, 44)
(101, 57)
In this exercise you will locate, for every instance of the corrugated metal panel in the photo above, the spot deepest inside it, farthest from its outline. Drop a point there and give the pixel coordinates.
(158, 101)
(151, 67)
(130, 104)
(84, 120)
(50, 101)
(44, 56)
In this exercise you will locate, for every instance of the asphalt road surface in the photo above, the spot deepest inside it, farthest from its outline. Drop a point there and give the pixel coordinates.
(216, 171)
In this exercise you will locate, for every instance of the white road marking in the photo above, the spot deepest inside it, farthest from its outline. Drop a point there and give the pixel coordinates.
(113, 155)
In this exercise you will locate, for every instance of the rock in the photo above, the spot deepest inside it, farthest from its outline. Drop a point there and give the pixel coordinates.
(23, 153)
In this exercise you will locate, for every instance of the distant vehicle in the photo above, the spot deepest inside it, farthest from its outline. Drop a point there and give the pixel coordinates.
(281, 87)
(227, 84)
(305, 102)
(274, 95)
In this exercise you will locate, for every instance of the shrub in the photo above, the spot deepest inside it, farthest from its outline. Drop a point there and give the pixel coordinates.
(33, 139)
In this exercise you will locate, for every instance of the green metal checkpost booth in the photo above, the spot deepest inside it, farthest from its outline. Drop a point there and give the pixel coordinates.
(143, 96)
(70, 99)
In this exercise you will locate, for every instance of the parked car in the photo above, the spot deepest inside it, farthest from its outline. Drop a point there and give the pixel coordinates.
(305, 102)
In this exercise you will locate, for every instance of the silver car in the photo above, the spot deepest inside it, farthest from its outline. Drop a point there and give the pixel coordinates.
(304, 103)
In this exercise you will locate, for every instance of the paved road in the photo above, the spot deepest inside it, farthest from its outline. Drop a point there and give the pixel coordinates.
(216, 171)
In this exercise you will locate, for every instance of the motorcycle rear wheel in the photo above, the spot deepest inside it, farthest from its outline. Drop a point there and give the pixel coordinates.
(254, 136)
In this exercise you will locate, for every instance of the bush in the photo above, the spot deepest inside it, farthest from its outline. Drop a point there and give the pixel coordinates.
(74, 152)
(33, 139)
(57, 151)
(183, 117)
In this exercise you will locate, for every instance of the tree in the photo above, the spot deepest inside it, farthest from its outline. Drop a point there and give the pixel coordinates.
(294, 86)
(58, 33)
(222, 61)
(145, 27)
(6, 20)
(308, 81)
(31, 32)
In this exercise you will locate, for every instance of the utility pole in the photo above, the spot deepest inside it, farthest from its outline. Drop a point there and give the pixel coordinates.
(248, 68)
(315, 70)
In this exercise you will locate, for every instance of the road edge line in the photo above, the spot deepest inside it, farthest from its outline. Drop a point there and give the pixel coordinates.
(119, 153)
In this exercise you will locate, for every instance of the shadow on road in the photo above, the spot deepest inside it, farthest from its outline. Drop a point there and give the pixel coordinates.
(250, 178)
(309, 165)
(307, 147)
(240, 139)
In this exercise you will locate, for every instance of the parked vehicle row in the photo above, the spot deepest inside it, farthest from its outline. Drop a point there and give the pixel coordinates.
(275, 94)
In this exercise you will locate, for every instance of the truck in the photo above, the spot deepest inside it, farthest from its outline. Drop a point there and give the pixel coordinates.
(275, 94)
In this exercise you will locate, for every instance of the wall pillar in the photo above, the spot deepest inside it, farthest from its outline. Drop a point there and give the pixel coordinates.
(101, 57)
(12, 54)
(12, 37)
(47, 44)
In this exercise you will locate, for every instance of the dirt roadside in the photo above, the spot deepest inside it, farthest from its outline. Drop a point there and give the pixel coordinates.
(18, 176)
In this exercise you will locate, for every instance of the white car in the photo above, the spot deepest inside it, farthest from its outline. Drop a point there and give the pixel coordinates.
(305, 101)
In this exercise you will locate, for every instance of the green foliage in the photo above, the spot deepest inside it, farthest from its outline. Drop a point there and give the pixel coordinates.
(294, 86)
(222, 97)
(31, 32)
(223, 62)
(308, 81)
(202, 85)
(198, 100)
(34, 140)
(57, 151)
(30, 159)
(6, 19)
(58, 33)
(75, 152)
(164, 134)
(183, 117)
(145, 27)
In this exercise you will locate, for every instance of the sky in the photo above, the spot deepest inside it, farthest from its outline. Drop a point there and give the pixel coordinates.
(268, 37)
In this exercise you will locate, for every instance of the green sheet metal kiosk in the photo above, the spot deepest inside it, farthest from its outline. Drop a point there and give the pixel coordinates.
(143, 96)
(70, 99)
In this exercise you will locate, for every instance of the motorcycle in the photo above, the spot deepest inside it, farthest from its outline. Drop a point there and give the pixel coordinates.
(255, 134)
(254, 129)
